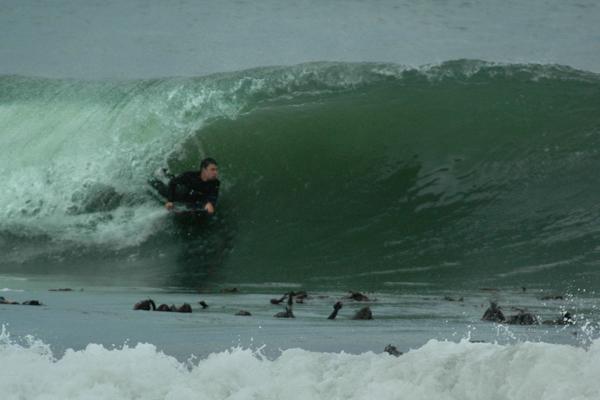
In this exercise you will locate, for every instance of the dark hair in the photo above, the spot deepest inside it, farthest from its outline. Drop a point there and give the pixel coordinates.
(207, 161)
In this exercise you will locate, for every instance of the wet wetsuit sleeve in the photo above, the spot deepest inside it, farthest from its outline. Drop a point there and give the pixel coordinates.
(213, 194)
(182, 179)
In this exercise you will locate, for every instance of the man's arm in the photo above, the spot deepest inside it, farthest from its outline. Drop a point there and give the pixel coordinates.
(178, 180)
(211, 199)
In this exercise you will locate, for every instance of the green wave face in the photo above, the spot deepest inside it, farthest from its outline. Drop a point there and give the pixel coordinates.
(334, 175)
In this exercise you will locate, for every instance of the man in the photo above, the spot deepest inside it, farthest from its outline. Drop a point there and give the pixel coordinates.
(199, 189)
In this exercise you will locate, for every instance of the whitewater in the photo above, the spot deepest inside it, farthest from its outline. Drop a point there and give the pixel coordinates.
(441, 370)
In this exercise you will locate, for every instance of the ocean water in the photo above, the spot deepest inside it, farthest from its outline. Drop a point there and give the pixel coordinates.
(436, 156)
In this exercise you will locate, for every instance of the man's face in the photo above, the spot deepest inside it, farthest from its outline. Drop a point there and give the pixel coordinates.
(210, 173)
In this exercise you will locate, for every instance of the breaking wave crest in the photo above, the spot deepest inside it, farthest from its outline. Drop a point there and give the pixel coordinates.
(329, 170)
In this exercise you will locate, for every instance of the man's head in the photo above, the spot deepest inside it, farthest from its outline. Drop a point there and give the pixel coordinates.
(209, 171)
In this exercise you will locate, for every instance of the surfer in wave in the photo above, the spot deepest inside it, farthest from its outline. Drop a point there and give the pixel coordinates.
(197, 190)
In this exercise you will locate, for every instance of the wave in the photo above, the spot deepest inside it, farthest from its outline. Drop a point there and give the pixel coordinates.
(444, 370)
(460, 172)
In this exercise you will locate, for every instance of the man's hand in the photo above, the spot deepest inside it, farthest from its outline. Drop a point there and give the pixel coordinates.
(210, 209)
(169, 205)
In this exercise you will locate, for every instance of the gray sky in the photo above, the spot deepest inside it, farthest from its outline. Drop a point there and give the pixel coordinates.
(139, 38)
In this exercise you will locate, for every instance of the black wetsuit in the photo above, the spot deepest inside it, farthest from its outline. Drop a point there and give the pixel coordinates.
(190, 188)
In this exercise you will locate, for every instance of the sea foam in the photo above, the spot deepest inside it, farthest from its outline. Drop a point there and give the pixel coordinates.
(437, 370)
